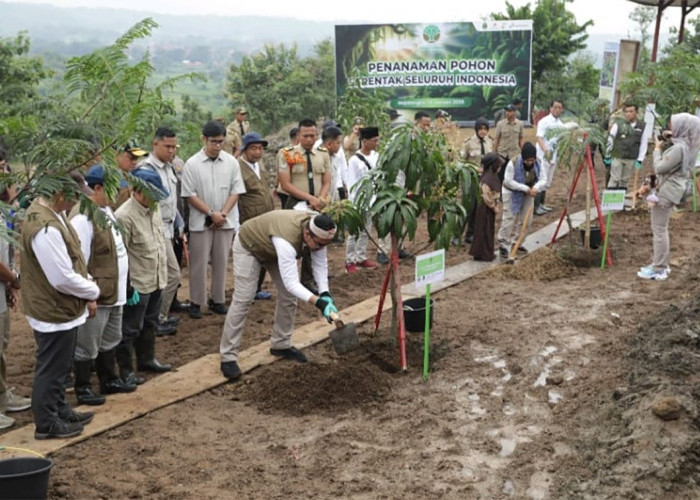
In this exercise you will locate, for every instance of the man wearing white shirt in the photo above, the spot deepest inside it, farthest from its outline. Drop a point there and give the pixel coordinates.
(276, 240)
(547, 151)
(107, 261)
(211, 184)
(626, 148)
(57, 297)
(358, 167)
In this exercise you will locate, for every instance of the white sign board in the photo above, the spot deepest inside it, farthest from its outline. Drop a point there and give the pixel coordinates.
(430, 268)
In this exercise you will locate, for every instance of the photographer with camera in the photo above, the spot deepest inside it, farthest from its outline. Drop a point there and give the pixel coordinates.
(672, 168)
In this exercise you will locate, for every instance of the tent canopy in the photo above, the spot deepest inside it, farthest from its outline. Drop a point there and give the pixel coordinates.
(686, 6)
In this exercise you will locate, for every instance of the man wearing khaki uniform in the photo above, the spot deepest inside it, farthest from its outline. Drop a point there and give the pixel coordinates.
(304, 172)
(509, 135)
(235, 132)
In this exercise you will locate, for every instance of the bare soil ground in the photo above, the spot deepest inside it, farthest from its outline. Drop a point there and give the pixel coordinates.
(546, 380)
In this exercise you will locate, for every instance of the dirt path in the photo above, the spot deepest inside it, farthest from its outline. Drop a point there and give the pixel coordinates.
(542, 384)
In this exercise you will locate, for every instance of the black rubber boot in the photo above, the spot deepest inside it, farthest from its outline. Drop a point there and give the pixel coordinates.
(110, 383)
(126, 364)
(145, 348)
(83, 390)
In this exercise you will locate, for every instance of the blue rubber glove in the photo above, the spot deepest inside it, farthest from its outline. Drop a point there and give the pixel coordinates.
(133, 299)
(327, 295)
(607, 161)
(326, 306)
(638, 165)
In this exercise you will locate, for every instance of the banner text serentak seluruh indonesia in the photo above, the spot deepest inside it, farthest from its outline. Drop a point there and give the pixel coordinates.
(440, 72)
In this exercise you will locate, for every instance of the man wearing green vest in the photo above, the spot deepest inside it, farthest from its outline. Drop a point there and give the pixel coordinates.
(257, 199)
(276, 240)
(57, 297)
(108, 263)
(627, 147)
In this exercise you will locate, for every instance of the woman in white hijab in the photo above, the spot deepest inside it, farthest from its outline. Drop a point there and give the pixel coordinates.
(672, 168)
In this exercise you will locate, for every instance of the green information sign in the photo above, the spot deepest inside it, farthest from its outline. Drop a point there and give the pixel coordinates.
(430, 268)
(613, 200)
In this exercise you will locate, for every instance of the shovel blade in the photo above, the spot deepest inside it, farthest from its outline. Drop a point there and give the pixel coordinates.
(345, 338)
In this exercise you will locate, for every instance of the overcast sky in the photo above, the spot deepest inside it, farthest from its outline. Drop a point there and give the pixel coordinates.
(610, 16)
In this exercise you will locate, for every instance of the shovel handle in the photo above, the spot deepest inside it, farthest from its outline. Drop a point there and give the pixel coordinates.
(335, 317)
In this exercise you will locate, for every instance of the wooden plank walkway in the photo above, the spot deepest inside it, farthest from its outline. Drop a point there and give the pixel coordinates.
(203, 373)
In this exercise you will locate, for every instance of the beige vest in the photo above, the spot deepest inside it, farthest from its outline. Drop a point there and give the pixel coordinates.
(40, 300)
(257, 199)
(256, 234)
(103, 265)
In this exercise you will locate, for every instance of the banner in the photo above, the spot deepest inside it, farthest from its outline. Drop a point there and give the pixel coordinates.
(467, 69)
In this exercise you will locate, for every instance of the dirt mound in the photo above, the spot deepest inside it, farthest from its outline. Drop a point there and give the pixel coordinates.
(542, 265)
(301, 389)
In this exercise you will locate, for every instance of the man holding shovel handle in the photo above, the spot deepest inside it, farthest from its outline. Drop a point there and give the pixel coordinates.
(276, 240)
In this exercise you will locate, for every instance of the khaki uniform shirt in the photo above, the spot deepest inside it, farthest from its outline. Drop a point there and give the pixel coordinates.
(145, 244)
(472, 148)
(234, 136)
(293, 160)
(509, 135)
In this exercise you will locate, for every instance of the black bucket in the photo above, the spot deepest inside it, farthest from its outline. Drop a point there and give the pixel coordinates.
(596, 236)
(414, 314)
(25, 477)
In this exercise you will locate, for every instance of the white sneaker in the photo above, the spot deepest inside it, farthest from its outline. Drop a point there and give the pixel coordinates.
(651, 274)
(12, 402)
(6, 422)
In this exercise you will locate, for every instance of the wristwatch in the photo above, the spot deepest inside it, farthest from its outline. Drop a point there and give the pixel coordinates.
(210, 212)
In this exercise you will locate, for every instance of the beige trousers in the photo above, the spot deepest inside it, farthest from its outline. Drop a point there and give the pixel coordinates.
(209, 247)
(246, 270)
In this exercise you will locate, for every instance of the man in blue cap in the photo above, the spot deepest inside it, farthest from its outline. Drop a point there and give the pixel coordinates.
(257, 198)
(107, 262)
(142, 226)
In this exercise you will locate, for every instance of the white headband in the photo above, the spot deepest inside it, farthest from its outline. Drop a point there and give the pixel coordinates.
(321, 233)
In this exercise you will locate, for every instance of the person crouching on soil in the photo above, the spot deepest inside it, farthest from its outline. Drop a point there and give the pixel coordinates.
(489, 207)
(276, 240)
(672, 168)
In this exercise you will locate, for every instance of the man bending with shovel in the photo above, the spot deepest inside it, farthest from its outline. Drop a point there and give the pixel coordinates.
(275, 240)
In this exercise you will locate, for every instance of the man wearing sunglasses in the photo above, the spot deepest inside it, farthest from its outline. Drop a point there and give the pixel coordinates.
(276, 240)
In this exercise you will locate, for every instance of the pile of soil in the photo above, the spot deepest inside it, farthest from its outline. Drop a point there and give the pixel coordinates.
(302, 389)
(542, 265)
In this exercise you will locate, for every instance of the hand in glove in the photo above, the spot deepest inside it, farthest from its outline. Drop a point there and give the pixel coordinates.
(607, 161)
(326, 306)
(638, 165)
(132, 296)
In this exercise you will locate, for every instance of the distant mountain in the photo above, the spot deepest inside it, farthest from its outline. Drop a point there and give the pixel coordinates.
(75, 31)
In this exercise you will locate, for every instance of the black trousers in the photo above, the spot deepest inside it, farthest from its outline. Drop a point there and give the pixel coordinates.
(141, 316)
(54, 359)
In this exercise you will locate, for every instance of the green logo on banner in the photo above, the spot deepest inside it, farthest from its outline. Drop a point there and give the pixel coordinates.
(431, 34)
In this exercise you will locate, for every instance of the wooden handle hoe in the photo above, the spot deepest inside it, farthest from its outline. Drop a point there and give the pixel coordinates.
(521, 236)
